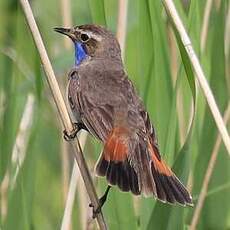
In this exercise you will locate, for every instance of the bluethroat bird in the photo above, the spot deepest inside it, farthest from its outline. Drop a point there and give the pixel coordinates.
(104, 102)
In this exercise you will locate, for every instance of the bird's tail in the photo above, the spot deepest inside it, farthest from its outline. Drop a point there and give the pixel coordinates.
(133, 164)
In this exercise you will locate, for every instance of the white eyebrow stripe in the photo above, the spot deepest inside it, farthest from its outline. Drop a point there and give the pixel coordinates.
(91, 34)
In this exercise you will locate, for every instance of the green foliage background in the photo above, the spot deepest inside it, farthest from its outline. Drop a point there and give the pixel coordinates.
(159, 67)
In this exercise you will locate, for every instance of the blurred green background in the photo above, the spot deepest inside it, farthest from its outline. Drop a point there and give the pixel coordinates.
(33, 195)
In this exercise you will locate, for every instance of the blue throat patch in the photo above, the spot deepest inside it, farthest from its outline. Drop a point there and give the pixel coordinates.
(80, 53)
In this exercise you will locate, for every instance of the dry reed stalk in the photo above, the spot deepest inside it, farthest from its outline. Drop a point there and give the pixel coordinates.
(122, 24)
(66, 221)
(204, 30)
(62, 110)
(173, 14)
(18, 153)
(66, 19)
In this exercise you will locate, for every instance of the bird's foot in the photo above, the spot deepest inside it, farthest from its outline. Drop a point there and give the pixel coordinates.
(101, 202)
(70, 136)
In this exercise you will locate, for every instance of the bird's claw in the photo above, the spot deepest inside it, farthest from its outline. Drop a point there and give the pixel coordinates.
(70, 136)
(95, 211)
(101, 202)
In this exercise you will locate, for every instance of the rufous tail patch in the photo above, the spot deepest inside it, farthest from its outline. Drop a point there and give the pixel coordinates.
(159, 165)
(116, 146)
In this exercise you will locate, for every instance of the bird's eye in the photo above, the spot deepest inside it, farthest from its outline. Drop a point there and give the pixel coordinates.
(84, 37)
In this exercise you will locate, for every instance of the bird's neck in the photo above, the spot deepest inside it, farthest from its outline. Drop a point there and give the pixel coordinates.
(80, 54)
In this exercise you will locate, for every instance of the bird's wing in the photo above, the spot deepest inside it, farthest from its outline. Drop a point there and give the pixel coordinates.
(101, 102)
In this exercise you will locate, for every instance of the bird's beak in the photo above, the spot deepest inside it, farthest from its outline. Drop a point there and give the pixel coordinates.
(66, 31)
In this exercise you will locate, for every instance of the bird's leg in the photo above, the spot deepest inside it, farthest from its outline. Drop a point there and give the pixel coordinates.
(101, 202)
(76, 128)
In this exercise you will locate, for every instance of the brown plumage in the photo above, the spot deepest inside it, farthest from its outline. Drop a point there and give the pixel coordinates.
(103, 99)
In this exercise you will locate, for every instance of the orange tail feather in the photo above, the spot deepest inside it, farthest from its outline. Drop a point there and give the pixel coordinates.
(168, 186)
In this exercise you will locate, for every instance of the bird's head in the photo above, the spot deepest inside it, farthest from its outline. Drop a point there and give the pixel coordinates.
(92, 41)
